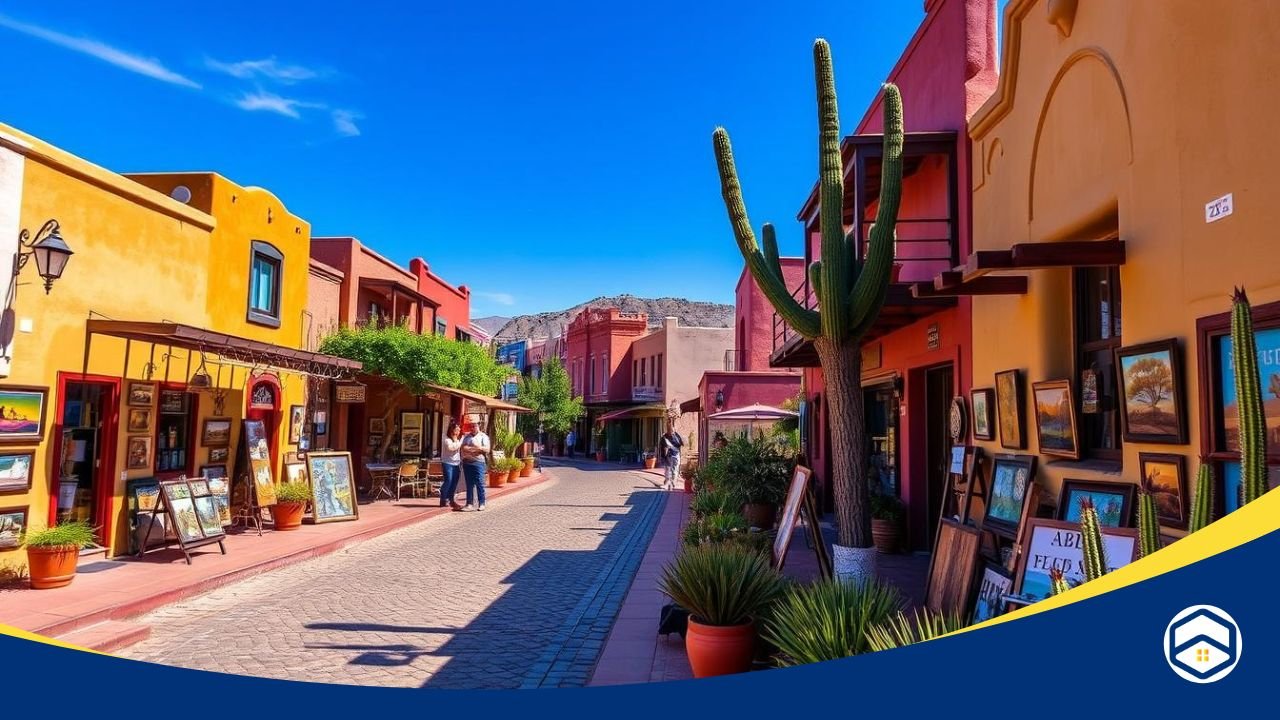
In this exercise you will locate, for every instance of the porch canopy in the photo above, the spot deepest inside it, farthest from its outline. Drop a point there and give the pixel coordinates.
(649, 410)
(975, 276)
(244, 350)
(488, 402)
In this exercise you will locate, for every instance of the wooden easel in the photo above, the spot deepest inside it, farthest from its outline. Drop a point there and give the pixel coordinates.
(164, 505)
(963, 487)
(248, 509)
(813, 525)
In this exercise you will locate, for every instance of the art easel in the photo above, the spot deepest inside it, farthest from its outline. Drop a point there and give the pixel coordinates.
(813, 525)
(952, 567)
(248, 507)
(800, 505)
(163, 505)
(963, 487)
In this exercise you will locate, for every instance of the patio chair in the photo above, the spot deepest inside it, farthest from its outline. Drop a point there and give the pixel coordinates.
(407, 476)
(433, 476)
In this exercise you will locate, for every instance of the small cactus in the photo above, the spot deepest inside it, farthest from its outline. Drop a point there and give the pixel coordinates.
(1252, 422)
(1095, 552)
(1202, 503)
(1148, 523)
(1057, 582)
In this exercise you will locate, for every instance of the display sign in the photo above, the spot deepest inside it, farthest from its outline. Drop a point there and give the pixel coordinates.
(349, 393)
(933, 336)
(1051, 544)
(1215, 210)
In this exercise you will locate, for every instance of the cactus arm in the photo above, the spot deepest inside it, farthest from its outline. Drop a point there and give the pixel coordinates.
(868, 293)
(815, 277)
(1095, 550)
(1148, 525)
(769, 237)
(803, 321)
(834, 271)
(1253, 433)
(1202, 505)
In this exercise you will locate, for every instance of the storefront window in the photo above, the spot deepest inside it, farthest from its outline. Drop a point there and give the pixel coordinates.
(1097, 293)
(173, 432)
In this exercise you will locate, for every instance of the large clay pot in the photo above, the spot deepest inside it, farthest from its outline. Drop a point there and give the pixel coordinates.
(760, 515)
(650, 463)
(52, 567)
(527, 470)
(512, 476)
(887, 535)
(497, 478)
(599, 456)
(716, 650)
(287, 516)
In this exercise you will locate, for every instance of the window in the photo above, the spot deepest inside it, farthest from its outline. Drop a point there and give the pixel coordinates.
(442, 326)
(635, 372)
(265, 266)
(659, 371)
(604, 374)
(591, 375)
(458, 334)
(1097, 319)
(644, 372)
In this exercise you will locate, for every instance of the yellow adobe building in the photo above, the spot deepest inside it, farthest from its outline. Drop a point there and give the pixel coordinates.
(1123, 184)
(174, 277)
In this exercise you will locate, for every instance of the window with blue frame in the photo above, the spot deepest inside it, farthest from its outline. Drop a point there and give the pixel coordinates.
(266, 266)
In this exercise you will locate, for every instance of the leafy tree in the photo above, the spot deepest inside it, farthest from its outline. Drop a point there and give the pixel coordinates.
(1150, 382)
(551, 399)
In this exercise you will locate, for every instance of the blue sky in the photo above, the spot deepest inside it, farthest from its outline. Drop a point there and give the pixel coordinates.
(541, 153)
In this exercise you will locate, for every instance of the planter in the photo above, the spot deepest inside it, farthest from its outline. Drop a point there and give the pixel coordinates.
(716, 650)
(650, 463)
(52, 567)
(851, 564)
(599, 456)
(287, 516)
(887, 535)
(513, 475)
(527, 470)
(497, 478)
(760, 515)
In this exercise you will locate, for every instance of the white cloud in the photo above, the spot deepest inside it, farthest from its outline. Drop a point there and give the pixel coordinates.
(270, 102)
(150, 67)
(344, 121)
(498, 297)
(267, 68)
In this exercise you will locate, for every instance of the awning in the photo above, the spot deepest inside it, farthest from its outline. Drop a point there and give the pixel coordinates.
(974, 276)
(650, 410)
(691, 406)
(752, 413)
(399, 289)
(488, 402)
(253, 352)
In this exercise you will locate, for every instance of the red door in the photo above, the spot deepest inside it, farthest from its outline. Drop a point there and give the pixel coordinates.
(263, 403)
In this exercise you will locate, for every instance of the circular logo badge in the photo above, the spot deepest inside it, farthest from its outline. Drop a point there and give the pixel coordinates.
(1203, 644)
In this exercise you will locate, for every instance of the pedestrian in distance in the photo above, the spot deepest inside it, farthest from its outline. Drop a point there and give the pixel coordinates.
(475, 455)
(669, 448)
(451, 465)
(569, 441)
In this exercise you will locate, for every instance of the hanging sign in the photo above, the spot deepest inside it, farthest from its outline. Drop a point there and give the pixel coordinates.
(349, 393)
(933, 337)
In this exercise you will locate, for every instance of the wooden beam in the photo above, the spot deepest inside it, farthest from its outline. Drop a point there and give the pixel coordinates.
(994, 285)
(982, 262)
(1070, 253)
(947, 278)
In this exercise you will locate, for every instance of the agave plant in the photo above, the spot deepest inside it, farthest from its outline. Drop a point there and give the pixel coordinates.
(829, 619)
(903, 629)
(717, 527)
(721, 584)
(709, 501)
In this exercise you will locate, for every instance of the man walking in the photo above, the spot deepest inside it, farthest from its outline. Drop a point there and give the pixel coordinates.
(669, 447)
(569, 441)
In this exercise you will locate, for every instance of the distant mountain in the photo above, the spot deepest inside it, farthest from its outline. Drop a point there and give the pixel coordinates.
(491, 324)
(691, 313)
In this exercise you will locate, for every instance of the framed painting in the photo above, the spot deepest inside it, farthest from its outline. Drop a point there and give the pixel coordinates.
(297, 418)
(186, 521)
(1112, 500)
(1049, 544)
(207, 514)
(139, 420)
(295, 472)
(138, 453)
(952, 568)
(995, 583)
(1056, 418)
(211, 472)
(145, 496)
(142, 394)
(377, 426)
(981, 403)
(13, 524)
(173, 402)
(790, 513)
(220, 490)
(15, 471)
(215, 433)
(22, 412)
(264, 485)
(1011, 479)
(1153, 396)
(1166, 479)
(411, 433)
(219, 455)
(333, 487)
(199, 486)
(1010, 401)
(255, 439)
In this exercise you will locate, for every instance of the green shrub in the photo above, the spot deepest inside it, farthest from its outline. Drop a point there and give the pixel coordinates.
(75, 534)
(293, 492)
(829, 619)
(711, 501)
(902, 629)
(720, 584)
(752, 470)
(714, 528)
(886, 507)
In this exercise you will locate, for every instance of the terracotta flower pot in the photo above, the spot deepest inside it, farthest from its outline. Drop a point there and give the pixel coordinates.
(599, 456)
(497, 478)
(887, 535)
(761, 515)
(512, 476)
(288, 516)
(650, 463)
(527, 470)
(52, 567)
(716, 650)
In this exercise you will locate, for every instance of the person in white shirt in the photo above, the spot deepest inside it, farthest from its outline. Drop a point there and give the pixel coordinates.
(670, 449)
(451, 465)
(475, 454)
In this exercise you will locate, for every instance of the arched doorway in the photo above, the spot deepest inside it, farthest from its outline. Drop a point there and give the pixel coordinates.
(262, 402)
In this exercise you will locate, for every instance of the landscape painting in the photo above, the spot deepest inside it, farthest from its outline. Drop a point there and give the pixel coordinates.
(207, 514)
(216, 433)
(1056, 418)
(264, 486)
(1152, 394)
(1268, 373)
(221, 493)
(13, 523)
(22, 411)
(1165, 477)
(188, 523)
(15, 471)
(142, 394)
(995, 584)
(1011, 477)
(980, 406)
(1113, 501)
(255, 438)
(333, 489)
(1009, 410)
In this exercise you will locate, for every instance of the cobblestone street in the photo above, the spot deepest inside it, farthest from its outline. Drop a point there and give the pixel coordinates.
(521, 595)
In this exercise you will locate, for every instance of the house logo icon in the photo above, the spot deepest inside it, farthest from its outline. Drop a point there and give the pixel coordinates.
(1202, 644)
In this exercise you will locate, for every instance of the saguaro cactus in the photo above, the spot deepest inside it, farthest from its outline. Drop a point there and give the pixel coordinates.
(1202, 503)
(1148, 523)
(1057, 582)
(850, 289)
(1252, 422)
(1095, 551)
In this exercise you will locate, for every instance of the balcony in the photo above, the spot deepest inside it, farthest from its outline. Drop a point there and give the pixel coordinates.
(646, 393)
(927, 234)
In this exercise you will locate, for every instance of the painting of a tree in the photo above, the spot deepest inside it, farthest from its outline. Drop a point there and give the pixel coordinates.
(1150, 382)
(1153, 402)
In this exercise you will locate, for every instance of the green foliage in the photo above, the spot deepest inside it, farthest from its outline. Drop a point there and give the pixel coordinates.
(509, 441)
(751, 470)
(72, 534)
(714, 528)
(1057, 582)
(551, 399)
(709, 501)
(829, 619)
(1095, 551)
(1202, 503)
(507, 464)
(1253, 425)
(293, 492)
(920, 626)
(886, 507)
(417, 361)
(721, 584)
(1148, 523)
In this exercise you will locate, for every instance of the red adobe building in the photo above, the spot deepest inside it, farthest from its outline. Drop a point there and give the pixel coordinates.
(453, 304)
(598, 359)
(917, 357)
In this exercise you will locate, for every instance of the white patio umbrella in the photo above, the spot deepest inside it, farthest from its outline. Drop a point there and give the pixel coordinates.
(751, 414)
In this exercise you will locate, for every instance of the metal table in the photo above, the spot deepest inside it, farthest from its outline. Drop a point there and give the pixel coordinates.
(379, 475)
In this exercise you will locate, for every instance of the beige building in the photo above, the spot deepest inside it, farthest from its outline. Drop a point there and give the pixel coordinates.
(666, 366)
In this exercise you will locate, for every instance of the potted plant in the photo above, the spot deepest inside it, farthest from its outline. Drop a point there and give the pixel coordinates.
(291, 501)
(52, 553)
(725, 587)
(756, 473)
(599, 443)
(527, 470)
(829, 619)
(497, 474)
(650, 459)
(886, 522)
(514, 465)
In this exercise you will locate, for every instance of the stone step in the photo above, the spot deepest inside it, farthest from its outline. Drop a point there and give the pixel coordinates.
(108, 636)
